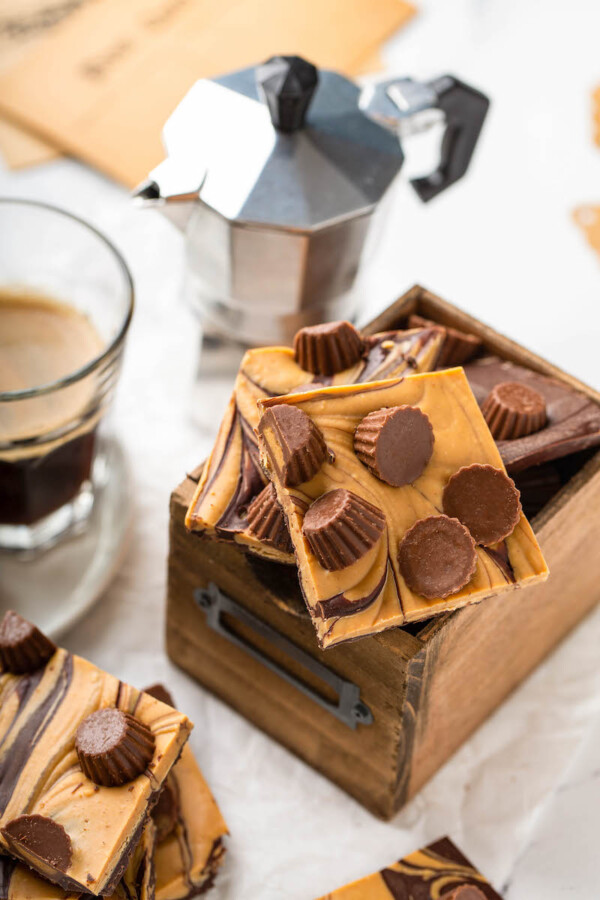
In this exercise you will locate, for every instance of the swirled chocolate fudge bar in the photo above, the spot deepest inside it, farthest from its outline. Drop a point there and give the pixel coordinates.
(437, 872)
(82, 758)
(397, 502)
(191, 829)
(232, 501)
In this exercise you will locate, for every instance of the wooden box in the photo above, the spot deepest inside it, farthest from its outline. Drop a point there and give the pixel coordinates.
(379, 716)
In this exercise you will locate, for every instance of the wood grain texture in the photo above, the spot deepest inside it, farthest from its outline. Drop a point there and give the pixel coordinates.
(418, 682)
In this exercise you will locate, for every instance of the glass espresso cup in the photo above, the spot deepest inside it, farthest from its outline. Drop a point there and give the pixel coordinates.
(66, 301)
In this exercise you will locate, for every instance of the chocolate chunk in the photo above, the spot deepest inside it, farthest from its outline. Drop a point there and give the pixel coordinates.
(485, 500)
(465, 892)
(341, 527)
(458, 346)
(514, 410)
(267, 522)
(165, 814)
(395, 444)
(302, 445)
(329, 348)
(41, 837)
(23, 648)
(159, 692)
(437, 557)
(113, 747)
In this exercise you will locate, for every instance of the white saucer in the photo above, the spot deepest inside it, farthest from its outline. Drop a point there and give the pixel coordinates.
(57, 587)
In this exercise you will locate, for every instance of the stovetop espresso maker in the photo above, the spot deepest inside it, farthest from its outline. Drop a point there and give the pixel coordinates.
(274, 173)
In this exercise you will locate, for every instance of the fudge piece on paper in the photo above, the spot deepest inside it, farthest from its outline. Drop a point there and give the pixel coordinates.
(571, 421)
(18, 882)
(437, 872)
(82, 757)
(397, 502)
(191, 829)
(232, 477)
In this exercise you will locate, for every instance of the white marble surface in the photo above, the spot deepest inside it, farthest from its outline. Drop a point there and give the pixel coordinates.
(501, 245)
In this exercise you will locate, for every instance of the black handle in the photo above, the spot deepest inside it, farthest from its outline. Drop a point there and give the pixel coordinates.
(465, 109)
(348, 707)
(288, 83)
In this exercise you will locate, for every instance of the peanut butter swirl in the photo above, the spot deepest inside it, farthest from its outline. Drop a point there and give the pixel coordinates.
(232, 476)
(372, 593)
(434, 873)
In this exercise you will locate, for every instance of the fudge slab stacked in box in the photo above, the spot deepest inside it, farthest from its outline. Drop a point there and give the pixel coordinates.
(222, 506)
(82, 758)
(397, 502)
(437, 872)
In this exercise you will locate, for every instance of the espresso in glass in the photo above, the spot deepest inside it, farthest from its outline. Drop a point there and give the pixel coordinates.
(66, 301)
(43, 340)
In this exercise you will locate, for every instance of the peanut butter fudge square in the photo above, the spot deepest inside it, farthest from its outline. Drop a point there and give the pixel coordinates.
(17, 882)
(82, 757)
(397, 502)
(230, 502)
(437, 872)
(190, 826)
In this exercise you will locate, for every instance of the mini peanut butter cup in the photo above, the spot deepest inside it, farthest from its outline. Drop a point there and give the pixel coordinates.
(395, 443)
(513, 410)
(329, 348)
(457, 347)
(267, 522)
(485, 500)
(302, 444)
(341, 527)
(437, 557)
(23, 647)
(41, 837)
(113, 747)
(465, 892)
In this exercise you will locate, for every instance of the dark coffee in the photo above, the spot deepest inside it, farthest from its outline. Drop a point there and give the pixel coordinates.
(47, 442)
(33, 488)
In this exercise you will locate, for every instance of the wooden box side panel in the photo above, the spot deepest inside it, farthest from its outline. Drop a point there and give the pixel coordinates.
(483, 652)
(368, 762)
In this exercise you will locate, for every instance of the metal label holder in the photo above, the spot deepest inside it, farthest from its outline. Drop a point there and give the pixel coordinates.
(349, 708)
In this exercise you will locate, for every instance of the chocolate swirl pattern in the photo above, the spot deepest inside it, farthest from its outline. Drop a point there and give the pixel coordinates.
(232, 477)
(371, 594)
(40, 774)
(432, 873)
